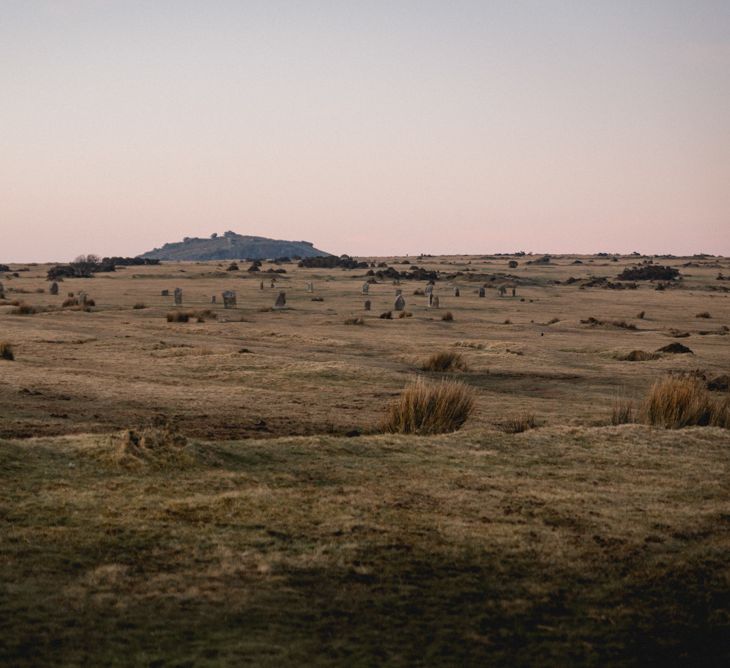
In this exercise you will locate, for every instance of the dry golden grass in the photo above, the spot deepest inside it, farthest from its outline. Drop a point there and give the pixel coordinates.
(426, 407)
(518, 425)
(674, 402)
(23, 308)
(622, 412)
(6, 351)
(271, 538)
(445, 360)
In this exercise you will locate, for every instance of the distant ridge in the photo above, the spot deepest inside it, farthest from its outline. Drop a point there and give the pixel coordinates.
(232, 246)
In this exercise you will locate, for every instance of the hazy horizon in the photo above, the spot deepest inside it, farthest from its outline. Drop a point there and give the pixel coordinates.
(366, 128)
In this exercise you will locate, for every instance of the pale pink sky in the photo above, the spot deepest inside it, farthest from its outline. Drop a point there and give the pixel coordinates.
(373, 127)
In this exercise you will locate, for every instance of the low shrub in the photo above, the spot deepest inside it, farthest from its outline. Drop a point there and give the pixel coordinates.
(139, 305)
(704, 314)
(425, 407)
(6, 351)
(354, 321)
(387, 315)
(448, 316)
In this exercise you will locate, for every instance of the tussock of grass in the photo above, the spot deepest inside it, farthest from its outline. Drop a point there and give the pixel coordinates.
(704, 314)
(674, 402)
(155, 446)
(519, 424)
(622, 412)
(22, 308)
(621, 324)
(186, 316)
(354, 321)
(638, 356)
(405, 314)
(139, 305)
(386, 315)
(6, 351)
(447, 360)
(430, 408)
(448, 316)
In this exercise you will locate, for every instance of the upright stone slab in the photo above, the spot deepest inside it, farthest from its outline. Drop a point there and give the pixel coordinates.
(514, 292)
(502, 290)
(2, 291)
(435, 301)
(482, 292)
(429, 299)
(309, 286)
(212, 299)
(365, 288)
(54, 288)
(229, 299)
(178, 297)
(429, 289)
(273, 283)
(280, 300)
(400, 303)
(261, 285)
(367, 305)
(81, 296)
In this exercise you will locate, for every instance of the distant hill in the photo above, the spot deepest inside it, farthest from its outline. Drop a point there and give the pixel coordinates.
(232, 246)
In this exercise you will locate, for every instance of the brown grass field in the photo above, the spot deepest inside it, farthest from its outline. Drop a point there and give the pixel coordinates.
(220, 491)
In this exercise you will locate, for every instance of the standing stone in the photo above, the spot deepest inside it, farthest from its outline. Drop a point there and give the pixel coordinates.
(2, 291)
(212, 299)
(429, 289)
(400, 303)
(280, 300)
(229, 299)
(82, 298)
(502, 290)
(178, 297)
(514, 292)
(309, 287)
(435, 301)
(54, 288)
(365, 288)
(429, 299)
(482, 292)
(456, 292)
(367, 304)
(273, 283)
(261, 286)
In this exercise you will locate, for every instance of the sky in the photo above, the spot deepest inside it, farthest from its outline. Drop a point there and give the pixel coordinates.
(369, 128)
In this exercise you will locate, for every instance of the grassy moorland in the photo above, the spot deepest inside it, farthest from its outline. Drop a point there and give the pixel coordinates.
(259, 528)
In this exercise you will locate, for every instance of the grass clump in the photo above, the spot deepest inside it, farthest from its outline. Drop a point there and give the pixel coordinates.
(448, 317)
(139, 306)
(6, 351)
(405, 314)
(426, 407)
(674, 402)
(622, 412)
(704, 314)
(354, 321)
(447, 360)
(22, 308)
(178, 316)
(519, 424)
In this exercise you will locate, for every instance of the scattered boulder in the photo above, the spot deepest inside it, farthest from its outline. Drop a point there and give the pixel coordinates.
(280, 300)
(719, 383)
(400, 303)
